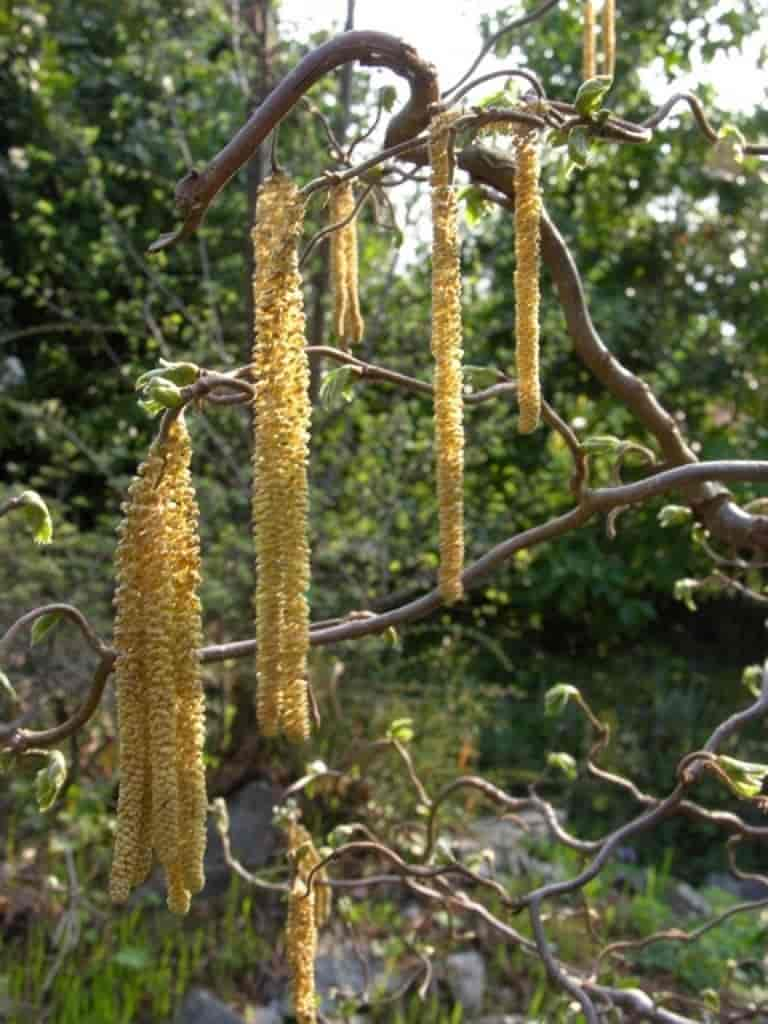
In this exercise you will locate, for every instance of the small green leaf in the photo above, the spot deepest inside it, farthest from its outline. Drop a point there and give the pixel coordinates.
(752, 679)
(556, 699)
(42, 627)
(591, 93)
(674, 515)
(601, 444)
(335, 388)
(401, 729)
(164, 392)
(745, 778)
(50, 779)
(394, 637)
(564, 762)
(181, 374)
(7, 689)
(38, 516)
(684, 590)
(578, 147)
(387, 97)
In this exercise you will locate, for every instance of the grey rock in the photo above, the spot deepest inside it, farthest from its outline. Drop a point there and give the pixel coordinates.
(200, 1007)
(253, 837)
(742, 888)
(344, 971)
(271, 1014)
(465, 974)
(508, 841)
(687, 901)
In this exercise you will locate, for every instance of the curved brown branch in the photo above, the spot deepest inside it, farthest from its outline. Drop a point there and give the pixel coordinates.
(20, 740)
(66, 611)
(196, 191)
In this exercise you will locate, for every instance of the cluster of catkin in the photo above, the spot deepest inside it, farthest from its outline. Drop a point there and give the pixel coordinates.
(589, 59)
(308, 910)
(447, 352)
(280, 505)
(527, 285)
(161, 707)
(348, 323)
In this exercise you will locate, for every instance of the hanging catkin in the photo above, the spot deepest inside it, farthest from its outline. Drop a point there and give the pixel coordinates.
(281, 444)
(162, 804)
(301, 946)
(527, 217)
(447, 351)
(348, 324)
(609, 37)
(303, 853)
(588, 67)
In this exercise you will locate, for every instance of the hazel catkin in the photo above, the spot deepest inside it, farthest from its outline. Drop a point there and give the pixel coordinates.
(280, 504)
(588, 65)
(348, 323)
(447, 352)
(301, 946)
(527, 255)
(162, 804)
(609, 37)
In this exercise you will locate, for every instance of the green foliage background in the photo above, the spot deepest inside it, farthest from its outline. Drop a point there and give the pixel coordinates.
(103, 106)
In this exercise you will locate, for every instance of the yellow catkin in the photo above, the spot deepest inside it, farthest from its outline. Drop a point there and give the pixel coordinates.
(305, 857)
(281, 447)
(348, 323)
(162, 805)
(589, 67)
(301, 946)
(447, 352)
(527, 255)
(609, 37)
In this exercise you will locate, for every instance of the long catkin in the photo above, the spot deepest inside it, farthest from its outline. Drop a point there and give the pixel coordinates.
(527, 255)
(281, 448)
(162, 804)
(589, 67)
(301, 945)
(447, 352)
(609, 37)
(348, 323)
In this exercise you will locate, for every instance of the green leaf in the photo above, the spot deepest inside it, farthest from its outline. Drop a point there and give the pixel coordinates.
(50, 779)
(752, 679)
(601, 444)
(42, 627)
(591, 93)
(181, 374)
(674, 515)
(387, 97)
(556, 699)
(475, 206)
(564, 762)
(745, 778)
(578, 147)
(7, 689)
(38, 516)
(334, 387)
(401, 729)
(684, 590)
(163, 392)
